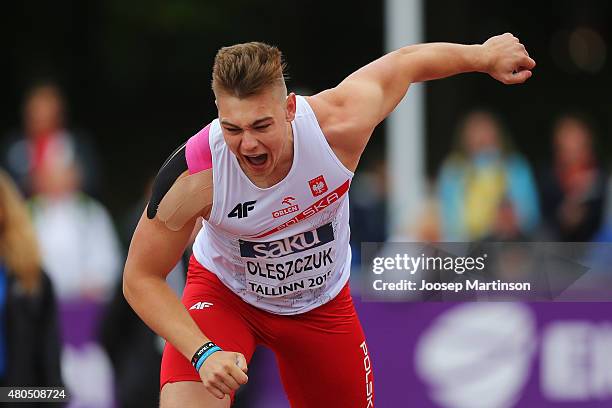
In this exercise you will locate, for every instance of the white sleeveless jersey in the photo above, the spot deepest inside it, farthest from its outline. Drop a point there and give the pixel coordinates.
(284, 249)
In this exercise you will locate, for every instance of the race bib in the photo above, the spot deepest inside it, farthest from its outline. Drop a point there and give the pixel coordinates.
(290, 265)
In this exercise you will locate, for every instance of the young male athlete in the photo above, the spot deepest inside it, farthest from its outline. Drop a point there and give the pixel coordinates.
(271, 263)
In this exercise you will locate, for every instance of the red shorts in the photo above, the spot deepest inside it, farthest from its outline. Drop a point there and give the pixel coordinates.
(322, 355)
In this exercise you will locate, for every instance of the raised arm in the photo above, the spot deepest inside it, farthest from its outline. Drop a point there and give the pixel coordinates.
(349, 112)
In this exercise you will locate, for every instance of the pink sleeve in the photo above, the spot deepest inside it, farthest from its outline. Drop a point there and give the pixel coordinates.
(197, 151)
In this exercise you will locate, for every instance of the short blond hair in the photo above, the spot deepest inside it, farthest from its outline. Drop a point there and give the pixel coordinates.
(243, 70)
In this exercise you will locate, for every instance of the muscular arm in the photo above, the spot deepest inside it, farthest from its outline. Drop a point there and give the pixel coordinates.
(349, 112)
(178, 199)
(154, 251)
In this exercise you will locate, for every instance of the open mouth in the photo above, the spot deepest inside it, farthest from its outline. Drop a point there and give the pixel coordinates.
(257, 160)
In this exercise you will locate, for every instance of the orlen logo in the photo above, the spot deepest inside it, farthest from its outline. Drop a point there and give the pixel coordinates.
(318, 186)
(290, 245)
(287, 210)
(319, 205)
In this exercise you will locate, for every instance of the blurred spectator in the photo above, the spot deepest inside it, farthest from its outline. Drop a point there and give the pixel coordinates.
(45, 134)
(605, 233)
(574, 186)
(80, 249)
(81, 252)
(29, 335)
(482, 176)
(368, 196)
(506, 225)
(425, 227)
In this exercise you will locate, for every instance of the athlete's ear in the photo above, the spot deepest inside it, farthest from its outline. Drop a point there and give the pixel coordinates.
(290, 112)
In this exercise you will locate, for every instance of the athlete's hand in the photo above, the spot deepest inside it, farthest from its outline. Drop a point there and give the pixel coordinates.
(224, 372)
(507, 59)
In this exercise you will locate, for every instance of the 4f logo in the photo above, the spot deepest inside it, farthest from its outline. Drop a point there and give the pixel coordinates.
(200, 306)
(318, 186)
(242, 209)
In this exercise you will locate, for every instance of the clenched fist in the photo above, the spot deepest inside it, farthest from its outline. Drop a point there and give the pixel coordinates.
(507, 59)
(223, 373)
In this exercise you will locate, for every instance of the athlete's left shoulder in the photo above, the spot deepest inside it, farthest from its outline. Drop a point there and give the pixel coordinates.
(339, 130)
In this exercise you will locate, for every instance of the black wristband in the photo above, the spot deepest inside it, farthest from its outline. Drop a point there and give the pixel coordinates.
(200, 351)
